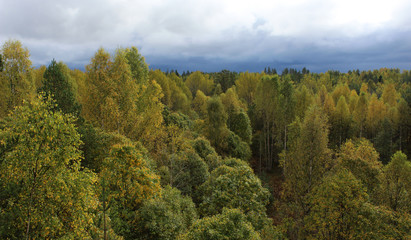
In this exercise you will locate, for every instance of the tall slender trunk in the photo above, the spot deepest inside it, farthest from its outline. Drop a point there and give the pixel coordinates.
(285, 137)
(260, 155)
(31, 196)
(272, 147)
(13, 93)
(400, 138)
(360, 130)
(104, 210)
(267, 144)
(29, 215)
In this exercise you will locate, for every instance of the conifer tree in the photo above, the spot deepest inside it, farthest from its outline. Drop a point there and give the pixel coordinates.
(56, 83)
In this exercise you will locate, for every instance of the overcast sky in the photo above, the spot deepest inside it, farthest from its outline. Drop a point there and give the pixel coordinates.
(212, 35)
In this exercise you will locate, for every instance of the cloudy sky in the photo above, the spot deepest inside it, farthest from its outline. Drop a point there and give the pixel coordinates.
(211, 35)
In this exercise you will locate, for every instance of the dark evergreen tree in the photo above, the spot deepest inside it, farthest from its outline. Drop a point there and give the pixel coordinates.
(1, 63)
(57, 84)
(385, 142)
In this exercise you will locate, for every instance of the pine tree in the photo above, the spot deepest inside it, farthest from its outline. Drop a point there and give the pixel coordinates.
(56, 83)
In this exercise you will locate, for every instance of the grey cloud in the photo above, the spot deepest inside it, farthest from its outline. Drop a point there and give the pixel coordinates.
(198, 35)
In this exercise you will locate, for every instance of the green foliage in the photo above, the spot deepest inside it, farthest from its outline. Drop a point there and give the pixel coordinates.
(225, 79)
(237, 148)
(384, 141)
(288, 119)
(268, 112)
(304, 164)
(303, 101)
(231, 224)
(57, 84)
(335, 206)
(16, 83)
(204, 149)
(185, 171)
(395, 189)
(216, 121)
(240, 124)
(178, 119)
(341, 123)
(360, 113)
(199, 104)
(97, 144)
(138, 65)
(119, 100)
(246, 85)
(43, 192)
(167, 216)
(235, 186)
(308, 156)
(379, 222)
(1, 63)
(173, 94)
(125, 182)
(362, 160)
(199, 81)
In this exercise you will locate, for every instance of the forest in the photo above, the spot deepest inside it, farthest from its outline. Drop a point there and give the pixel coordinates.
(122, 151)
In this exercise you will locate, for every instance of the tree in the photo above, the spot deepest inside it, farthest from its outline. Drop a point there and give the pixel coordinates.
(303, 101)
(56, 83)
(225, 79)
(404, 124)
(352, 101)
(204, 149)
(304, 164)
(43, 192)
(217, 130)
(341, 90)
(15, 79)
(100, 88)
(246, 86)
(240, 124)
(125, 182)
(341, 123)
(308, 156)
(362, 160)
(396, 183)
(198, 81)
(119, 102)
(230, 224)
(164, 82)
(335, 206)
(234, 185)
(38, 76)
(360, 113)
(375, 115)
(268, 112)
(231, 101)
(138, 65)
(199, 104)
(287, 105)
(185, 171)
(1, 63)
(380, 222)
(389, 95)
(166, 217)
(173, 97)
(384, 141)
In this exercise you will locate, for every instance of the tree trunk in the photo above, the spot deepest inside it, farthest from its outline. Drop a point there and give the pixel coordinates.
(104, 210)
(285, 137)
